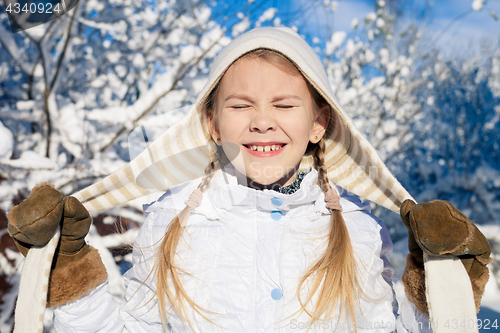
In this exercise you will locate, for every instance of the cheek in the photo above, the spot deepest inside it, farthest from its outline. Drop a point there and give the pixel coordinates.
(231, 127)
(299, 128)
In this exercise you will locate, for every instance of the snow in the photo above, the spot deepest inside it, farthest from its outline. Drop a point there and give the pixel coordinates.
(118, 27)
(214, 36)
(391, 68)
(113, 56)
(11, 263)
(405, 71)
(96, 5)
(6, 142)
(30, 160)
(335, 41)
(477, 5)
(139, 61)
(240, 27)
(72, 127)
(371, 35)
(25, 105)
(189, 52)
(380, 22)
(267, 15)
(354, 23)
(371, 16)
(348, 95)
(430, 100)
(369, 56)
(334, 6)
(8, 42)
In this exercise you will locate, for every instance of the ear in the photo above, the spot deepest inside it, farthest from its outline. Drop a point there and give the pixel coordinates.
(214, 131)
(320, 124)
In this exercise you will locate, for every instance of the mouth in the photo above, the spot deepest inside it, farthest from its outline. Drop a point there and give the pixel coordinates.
(264, 146)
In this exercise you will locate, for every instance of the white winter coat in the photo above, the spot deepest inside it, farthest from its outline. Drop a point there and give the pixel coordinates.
(245, 251)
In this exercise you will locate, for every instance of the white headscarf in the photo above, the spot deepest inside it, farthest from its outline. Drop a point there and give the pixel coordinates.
(181, 153)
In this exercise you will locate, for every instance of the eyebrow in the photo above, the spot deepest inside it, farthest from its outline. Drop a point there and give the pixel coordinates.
(282, 97)
(275, 99)
(239, 96)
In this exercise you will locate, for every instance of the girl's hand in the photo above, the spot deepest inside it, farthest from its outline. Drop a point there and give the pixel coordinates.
(34, 221)
(439, 229)
(77, 268)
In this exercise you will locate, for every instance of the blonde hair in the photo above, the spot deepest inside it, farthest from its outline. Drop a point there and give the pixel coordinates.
(334, 274)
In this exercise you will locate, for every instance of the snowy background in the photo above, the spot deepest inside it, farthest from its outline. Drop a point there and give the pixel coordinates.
(421, 80)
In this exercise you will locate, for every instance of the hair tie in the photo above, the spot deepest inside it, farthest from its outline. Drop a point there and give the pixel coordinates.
(332, 200)
(194, 199)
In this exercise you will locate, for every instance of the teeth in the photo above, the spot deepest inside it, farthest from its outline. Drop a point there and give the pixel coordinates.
(265, 148)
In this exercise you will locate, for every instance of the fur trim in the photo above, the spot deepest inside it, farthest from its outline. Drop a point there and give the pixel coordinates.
(413, 279)
(76, 279)
(39, 186)
(11, 218)
(478, 286)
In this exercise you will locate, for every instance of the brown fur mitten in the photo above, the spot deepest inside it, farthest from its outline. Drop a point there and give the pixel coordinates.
(413, 279)
(77, 268)
(439, 229)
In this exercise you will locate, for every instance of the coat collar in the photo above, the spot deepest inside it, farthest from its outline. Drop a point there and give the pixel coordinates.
(224, 192)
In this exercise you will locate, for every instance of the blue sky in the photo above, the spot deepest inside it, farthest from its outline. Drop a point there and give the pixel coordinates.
(477, 25)
(461, 37)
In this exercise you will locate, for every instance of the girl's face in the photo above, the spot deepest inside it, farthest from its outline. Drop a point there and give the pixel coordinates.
(269, 114)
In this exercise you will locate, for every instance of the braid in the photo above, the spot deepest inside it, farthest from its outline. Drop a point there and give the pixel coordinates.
(177, 295)
(209, 172)
(319, 162)
(335, 272)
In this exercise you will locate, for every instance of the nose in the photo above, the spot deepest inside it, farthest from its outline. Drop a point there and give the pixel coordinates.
(263, 121)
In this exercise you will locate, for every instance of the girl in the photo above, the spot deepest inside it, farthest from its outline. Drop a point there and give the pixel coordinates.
(266, 240)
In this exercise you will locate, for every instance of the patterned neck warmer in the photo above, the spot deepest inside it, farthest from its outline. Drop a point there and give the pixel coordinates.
(293, 187)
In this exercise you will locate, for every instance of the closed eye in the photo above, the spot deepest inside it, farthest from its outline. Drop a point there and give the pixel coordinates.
(239, 107)
(284, 106)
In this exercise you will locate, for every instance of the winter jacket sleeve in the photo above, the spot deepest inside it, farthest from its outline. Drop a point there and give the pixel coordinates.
(409, 319)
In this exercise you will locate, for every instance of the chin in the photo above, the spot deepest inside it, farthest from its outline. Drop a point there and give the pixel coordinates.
(267, 174)
(262, 180)
(265, 181)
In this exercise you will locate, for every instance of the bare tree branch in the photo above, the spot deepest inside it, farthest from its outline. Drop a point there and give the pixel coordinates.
(181, 73)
